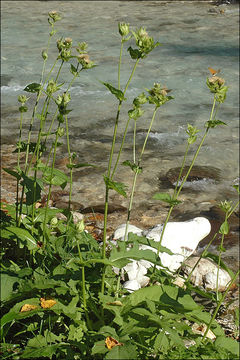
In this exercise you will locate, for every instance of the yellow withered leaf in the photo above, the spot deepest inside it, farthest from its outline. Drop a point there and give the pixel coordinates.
(111, 342)
(47, 303)
(28, 307)
(115, 303)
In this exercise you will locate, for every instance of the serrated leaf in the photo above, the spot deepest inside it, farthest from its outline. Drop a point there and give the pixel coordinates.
(118, 93)
(32, 88)
(214, 123)
(117, 186)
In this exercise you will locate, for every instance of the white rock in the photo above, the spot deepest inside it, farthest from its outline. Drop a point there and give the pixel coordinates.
(181, 238)
(120, 231)
(205, 274)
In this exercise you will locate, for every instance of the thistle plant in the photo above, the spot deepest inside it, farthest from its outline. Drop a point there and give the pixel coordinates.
(60, 296)
(145, 44)
(217, 87)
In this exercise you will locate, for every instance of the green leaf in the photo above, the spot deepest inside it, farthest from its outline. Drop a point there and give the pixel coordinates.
(135, 168)
(79, 165)
(32, 189)
(224, 228)
(121, 256)
(13, 173)
(73, 70)
(161, 342)
(117, 186)
(228, 344)
(32, 88)
(134, 53)
(124, 352)
(237, 188)
(166, 198)
(133, 238)
(118, 93)
(214, 123)
(24, 237)
(7, 283)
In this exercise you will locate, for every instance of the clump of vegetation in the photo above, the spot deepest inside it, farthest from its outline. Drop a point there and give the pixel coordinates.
(60, 296)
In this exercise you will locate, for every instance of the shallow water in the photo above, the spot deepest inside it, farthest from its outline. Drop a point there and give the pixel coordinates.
(192, 39)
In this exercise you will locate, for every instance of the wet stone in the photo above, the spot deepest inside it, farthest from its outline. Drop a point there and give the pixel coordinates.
(197, 174)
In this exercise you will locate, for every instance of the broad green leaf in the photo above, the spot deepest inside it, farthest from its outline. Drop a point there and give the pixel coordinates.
(24, 237)
(7, 283)
(228, 344)
(133, 238)
(39, 350)
(121, 256)
(166, 198)
(13, 173)
(118, 93)
(32, 189)
(125, 352)
(224, 228)
(161, 342)
(15, 314)
(119, 187)
(32, 88)
(99, 348)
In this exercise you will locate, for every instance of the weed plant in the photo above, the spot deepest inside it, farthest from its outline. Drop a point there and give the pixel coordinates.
(60, 296)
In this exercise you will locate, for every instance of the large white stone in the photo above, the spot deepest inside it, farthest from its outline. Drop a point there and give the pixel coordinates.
(205, 274)
(181, 238)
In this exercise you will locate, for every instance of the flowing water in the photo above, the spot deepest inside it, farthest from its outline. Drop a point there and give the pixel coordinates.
(193, 36)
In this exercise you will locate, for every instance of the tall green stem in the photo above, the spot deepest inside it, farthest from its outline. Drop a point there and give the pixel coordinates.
(108, 175)
(136, 173)
(184, 180)
(83, 287)
(219, 304)
(18, 165)
(119, 64)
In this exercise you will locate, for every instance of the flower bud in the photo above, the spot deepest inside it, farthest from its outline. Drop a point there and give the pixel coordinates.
(44, 55)
(58, 100)
(60, 131)
(80, 226)
(23, 108)
(22, 99)
(68, 42)
(66, 98)
(123, 29)
(140, 99)
(52, 87)
(54, 222)
(82, 47)
(54, 15)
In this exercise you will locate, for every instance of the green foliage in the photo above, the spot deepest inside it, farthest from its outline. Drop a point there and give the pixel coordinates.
(61, 298)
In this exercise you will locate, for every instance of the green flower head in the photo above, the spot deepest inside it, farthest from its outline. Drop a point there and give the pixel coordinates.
(54, 16)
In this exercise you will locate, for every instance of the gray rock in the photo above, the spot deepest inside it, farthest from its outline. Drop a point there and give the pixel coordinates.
(205, 274)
